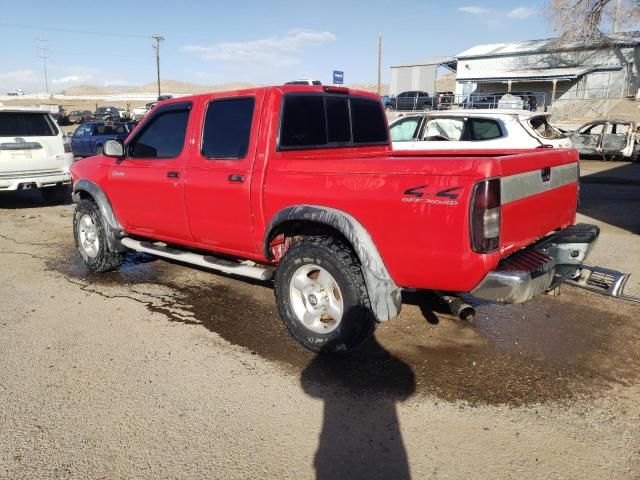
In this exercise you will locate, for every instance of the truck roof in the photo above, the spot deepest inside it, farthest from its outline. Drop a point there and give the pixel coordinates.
(284, 89)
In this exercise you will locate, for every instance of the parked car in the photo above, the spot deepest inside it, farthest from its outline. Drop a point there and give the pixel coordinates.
(444, 100)
(15, 93)
(282, 190)
(388, 101)
(608, 139)
(162, 98)
(138, 112)
(414, 100)
(80, 116)
(89, 138)
(106, 114)
(123, 113)
(33, 153)
(476, 129)
(304, 81)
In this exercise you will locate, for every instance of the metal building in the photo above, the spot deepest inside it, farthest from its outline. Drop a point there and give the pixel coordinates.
(419, 75)
(606, 67)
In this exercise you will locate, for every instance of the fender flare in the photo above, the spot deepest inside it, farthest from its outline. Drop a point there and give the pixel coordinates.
(110, 222)
(385, 296)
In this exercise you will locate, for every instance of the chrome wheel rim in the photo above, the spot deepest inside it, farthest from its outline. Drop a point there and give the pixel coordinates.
(316, 299)
(88, 236)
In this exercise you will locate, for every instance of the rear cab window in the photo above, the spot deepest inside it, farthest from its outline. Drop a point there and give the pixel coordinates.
(26, 124)
(543, 129)
(325, 120)
(227, 128)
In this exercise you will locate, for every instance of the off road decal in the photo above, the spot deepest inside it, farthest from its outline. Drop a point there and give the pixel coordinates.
(421, 194)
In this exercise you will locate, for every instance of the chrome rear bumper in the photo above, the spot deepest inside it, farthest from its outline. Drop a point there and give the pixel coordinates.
(536, 269)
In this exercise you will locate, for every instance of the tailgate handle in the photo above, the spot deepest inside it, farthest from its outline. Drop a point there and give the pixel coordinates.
(546, 174)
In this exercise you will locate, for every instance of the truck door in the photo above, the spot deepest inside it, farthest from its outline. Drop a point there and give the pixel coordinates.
(146, 188)
(219, 173)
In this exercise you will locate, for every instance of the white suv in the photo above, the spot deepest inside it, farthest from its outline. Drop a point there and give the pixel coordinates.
(476, 129)
(33, 153)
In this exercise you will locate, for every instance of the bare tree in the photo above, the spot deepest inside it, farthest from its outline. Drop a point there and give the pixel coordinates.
(577, 20)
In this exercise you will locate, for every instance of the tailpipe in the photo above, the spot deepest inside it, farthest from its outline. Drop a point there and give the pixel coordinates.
(459, 307)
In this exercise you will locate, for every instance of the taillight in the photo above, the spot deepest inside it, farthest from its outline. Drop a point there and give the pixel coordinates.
(485, 216)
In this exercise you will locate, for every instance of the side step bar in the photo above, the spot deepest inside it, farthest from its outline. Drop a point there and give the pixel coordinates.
(244, 269)
(602, 280)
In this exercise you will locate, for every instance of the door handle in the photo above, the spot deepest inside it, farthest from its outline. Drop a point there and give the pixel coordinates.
(173, 174)
(236, 178)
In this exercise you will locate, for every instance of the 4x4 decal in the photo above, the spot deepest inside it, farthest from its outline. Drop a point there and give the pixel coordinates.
(443, 197)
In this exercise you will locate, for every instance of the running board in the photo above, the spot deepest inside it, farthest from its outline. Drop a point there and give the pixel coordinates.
(602, 280)
(244, 269)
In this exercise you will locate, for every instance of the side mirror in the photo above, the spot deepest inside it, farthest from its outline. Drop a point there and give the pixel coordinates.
(113, 148)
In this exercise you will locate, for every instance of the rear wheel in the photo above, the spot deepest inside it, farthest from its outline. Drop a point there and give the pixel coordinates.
(57, 194)
(322, 297)
(91, 238)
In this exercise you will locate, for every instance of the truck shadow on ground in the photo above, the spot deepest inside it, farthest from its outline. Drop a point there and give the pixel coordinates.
(360, 436)
(613, 197)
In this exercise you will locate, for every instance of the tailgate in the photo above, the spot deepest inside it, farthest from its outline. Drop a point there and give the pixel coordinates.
(539, 193)
(31, 155)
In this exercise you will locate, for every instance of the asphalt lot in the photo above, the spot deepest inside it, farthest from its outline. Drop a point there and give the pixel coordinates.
(159, 370)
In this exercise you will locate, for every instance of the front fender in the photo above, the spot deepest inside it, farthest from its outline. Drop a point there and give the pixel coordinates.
(384, 294)
(110, 222)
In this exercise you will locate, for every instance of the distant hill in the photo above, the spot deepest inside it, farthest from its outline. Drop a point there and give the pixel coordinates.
(169, 86)
(175, 86)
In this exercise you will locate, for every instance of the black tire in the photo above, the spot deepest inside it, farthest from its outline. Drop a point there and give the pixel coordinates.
(104, 259)
(57, 194)
(357, 321)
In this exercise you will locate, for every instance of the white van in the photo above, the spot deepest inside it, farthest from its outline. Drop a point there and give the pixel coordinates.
(33, 153)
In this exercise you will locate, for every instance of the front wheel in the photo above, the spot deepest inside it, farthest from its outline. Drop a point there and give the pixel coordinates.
(91, 238)
(322, 297)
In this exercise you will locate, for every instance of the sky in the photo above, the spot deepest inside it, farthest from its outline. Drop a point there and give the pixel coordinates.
(260, 42)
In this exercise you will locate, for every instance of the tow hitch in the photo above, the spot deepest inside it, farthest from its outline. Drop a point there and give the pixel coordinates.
(602, 280)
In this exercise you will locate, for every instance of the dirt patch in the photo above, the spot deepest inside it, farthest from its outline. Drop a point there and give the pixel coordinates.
(553, 348)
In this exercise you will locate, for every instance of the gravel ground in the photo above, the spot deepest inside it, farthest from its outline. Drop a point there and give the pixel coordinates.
(164, 371)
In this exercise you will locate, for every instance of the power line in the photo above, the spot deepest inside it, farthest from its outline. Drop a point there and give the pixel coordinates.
(69, 30)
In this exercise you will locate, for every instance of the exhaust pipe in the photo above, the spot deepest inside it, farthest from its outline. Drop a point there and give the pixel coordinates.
(459, 308)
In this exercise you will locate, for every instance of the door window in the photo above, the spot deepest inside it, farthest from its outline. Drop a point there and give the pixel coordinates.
(163, 136)
(484, 129)
(227, 128)
(405, 130)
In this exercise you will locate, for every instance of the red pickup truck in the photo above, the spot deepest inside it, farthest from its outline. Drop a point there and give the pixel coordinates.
(300, 183)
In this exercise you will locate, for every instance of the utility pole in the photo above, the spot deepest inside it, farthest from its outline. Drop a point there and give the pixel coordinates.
(158, 39)
(379, 63)
(43, 55)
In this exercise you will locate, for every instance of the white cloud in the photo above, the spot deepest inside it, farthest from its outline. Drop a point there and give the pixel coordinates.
(72, 79)
(279, 51)
(521, 13)
(27, 80)
(473, 10)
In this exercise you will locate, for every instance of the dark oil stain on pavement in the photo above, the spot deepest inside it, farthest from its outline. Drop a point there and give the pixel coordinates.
(552, 348)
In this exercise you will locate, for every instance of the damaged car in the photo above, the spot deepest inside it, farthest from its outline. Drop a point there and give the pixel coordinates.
(608, 140)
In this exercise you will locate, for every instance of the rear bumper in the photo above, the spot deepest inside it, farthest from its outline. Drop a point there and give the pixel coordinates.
(34, 181)
(536, 269)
